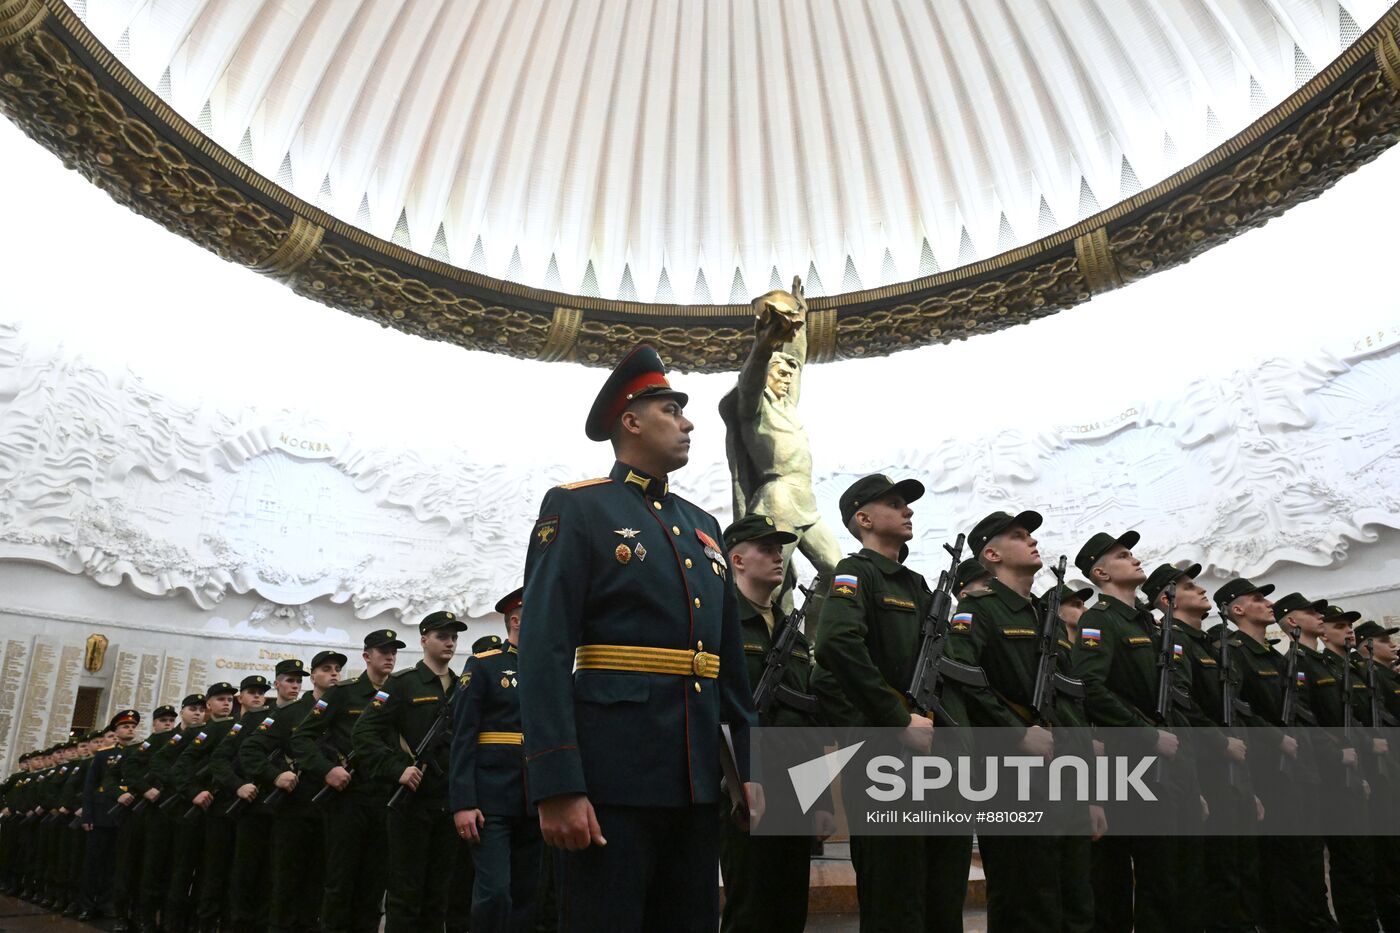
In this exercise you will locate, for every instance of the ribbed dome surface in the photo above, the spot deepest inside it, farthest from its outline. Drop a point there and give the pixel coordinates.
(702, 151)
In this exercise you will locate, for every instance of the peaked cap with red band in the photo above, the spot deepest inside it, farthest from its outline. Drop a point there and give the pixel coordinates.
(511, 601)
(641, 374)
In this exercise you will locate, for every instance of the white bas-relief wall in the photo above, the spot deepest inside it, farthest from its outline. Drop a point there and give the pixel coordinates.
(188, 534)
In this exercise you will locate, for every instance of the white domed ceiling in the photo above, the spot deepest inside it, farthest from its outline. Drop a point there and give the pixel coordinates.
(700, 152)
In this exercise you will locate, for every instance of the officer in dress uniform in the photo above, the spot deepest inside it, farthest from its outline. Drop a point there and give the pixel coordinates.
(766, 878)
(103, 787)
(354, 812)
(422, 846)
(486, 785)
(635, 662)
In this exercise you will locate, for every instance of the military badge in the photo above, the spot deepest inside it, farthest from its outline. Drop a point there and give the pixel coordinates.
(466, 679)
(1091, 637)
(845, 584)
(640, 552)
(379, 698)
(962, 621)
(199, 739)
(627, 533)
(319, 708)
(507, 680)
(546, 530)
(177, 738)
(236, 728)
(623, 553)
(265, 724)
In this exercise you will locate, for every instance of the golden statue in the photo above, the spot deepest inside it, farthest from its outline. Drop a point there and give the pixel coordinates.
(770, 459)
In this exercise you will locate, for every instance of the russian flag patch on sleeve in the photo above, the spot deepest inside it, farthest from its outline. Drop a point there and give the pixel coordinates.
(962, 622)
(845, 584)
(1091, 637)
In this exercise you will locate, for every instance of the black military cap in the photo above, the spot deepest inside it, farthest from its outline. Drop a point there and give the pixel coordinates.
(875, 486)
(511, 601)
(384, 638)
(222, 688)
(1295, 601)
(160, 711)
(1067, 593)
(1370, 629)
(1338, 614)
(753, 527)
(994, 524)
(641, 374)
(255, 682)
(486, 643)
(1099, 545)
(323, 656)
(194, 699)
(1165, 575)
(969, 571)
(441, 620)
(290, 666)
(1234, 589)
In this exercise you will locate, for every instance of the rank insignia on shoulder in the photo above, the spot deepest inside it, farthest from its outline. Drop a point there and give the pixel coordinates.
(962, 621)
(546, 529)
(1091, 637)
(585, 483)
(845, 584)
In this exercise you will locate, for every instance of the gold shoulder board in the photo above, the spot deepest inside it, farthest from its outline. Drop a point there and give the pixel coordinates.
(488, 654)
(583, 483)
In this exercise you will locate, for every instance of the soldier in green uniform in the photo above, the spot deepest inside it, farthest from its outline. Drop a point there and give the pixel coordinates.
(486, 782)
(181, 787)
(637, 661)
(74, 840)
(250, 879)
(1230, 862)
(160, 821)
(422, 844)
(354, 813)
(136, 767)
(867, 643)
(103, 789)
(972, 577)
(1134, 876)
(996, 628)
(1373, 644)
(211, 780)
(1350, 858)
(266, 758)
(766, 878)
(1282, 768)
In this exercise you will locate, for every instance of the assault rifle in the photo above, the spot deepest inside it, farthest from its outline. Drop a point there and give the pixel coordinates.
(931, 665)
(1048, 679)
(1230, 704)
(1348, 722)
(1166, 653)
(1380, 717)
(769, 686)
(326, 790)
(239, 804)
(425, 748)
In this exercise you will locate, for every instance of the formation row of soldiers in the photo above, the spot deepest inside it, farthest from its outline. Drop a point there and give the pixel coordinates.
(267, 806)
(604, 726)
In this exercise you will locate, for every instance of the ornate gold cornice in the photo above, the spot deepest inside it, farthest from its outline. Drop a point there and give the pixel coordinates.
(302, 240)
(563, 334)
(1096, 261)
(60, 85)
(18, 18)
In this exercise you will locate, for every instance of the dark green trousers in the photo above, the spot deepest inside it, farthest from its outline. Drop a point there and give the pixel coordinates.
(1135, 884)
(911, 884)
(354, 826)
(1351, 871)
(298, 857)
(215, 866)
(506, 868)
(423, 849)
(766, 879)
(1023, 883)
(186, 855)
(155, 863)
(251, 878)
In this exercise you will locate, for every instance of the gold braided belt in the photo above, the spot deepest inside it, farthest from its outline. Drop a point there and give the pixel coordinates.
(680, 661)
(501, 738)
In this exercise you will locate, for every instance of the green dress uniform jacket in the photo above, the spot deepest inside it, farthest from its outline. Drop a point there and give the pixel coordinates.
(159, 773)
(868, 640)
(488, 759)
(398, 717)
(224, 766)
(1205, 711)
(322, 740)
(623, 561)
(190, 774)
(1116, 657)
(136, 766)
(797, 666)
(266, 753)
(1324, 676)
